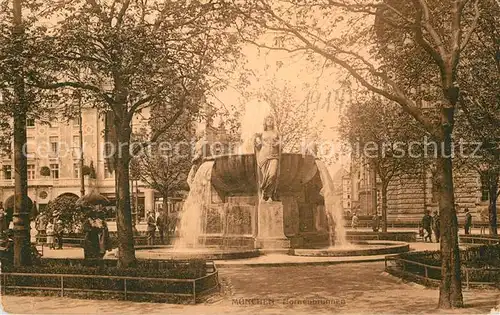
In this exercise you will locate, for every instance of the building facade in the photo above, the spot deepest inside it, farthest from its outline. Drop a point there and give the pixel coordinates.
(363, 190)
(409, 196)
(56, 147)
(343, 189)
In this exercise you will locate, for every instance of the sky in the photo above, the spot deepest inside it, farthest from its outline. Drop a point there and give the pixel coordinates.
(298, 72)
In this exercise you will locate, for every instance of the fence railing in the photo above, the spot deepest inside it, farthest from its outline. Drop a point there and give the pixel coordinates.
(195, 284)
(467, 271)
(479, 240)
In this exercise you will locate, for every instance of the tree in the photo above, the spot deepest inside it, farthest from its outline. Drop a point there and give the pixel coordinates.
(20, 39)
(71, 215)
(166, 164)
(438, 31)
(387, 132)
(480, 106)
(126, 56)
(15, 104)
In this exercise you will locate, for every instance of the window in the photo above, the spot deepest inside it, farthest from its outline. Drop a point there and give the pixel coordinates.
(30, 122)
(54, 123)
(31, 171)
(76, 170)
(54, 170)
(76, 121)
(54, 145)
(30, 143)
(348, 196)
(76, 146)
(7, 172)
(485, 192)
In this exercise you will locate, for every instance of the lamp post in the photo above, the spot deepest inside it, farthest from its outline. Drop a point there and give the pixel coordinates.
(373, 184)
(80, 130)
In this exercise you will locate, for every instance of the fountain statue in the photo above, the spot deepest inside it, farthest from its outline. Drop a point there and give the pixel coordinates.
(268, 153)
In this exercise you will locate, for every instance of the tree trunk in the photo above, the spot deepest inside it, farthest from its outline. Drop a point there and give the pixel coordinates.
(384, 206)
(22, 243)
(450, 290)
(126, 250)
(492, 208)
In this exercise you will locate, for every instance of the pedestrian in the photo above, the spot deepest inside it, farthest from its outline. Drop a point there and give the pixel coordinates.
(50, 235)
(41, 224)
(58, 233)
(162, 224)
(91, 241)
(436, 226)
(151, 228)
(426, 225)
(354, 221)
(375, 223)
(468, 221)
(41, 227)
(103, 235)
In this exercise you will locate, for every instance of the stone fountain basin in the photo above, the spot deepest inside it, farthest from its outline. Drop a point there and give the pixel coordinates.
(237, 173)
(208, 253)
(358, 248)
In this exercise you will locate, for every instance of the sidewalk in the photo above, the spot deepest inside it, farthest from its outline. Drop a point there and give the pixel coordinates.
(262, 260)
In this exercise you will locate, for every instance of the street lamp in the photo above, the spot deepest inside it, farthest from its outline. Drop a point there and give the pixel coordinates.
(80, 130)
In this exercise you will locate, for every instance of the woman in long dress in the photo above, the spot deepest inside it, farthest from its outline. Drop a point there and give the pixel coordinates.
(268, 146)
(50, 235)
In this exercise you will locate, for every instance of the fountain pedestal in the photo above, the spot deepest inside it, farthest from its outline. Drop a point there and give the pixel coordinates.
(271, 235)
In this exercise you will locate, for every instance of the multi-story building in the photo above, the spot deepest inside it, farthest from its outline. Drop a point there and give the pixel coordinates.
(343, 189)
(362, 189)
(409, 196)
(56, 146)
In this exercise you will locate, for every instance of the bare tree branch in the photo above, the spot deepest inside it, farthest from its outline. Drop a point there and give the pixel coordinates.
(121, 14)
(437, 55)
(473, 26)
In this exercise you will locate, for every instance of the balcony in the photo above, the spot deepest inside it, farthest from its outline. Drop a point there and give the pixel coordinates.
(7, 182)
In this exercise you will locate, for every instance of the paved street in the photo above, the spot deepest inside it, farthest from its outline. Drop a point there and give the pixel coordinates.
(295, 284)
(347, 288)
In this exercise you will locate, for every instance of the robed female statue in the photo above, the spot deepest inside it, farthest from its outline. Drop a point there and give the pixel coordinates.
(268, 153)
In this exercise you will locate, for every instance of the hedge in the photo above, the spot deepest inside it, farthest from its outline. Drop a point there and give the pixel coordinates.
(189, 269)
(143, 288)
(482, 263)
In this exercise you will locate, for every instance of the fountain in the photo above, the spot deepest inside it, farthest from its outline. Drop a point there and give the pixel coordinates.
(241, 205)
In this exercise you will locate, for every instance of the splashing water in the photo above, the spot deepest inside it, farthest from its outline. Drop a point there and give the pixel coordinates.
(333, 209)
(190, 225)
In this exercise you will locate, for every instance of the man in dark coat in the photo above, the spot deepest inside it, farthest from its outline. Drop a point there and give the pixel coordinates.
(97, 240)
(59, 233)
(427, 226)
(468, 221)
(162, 224)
